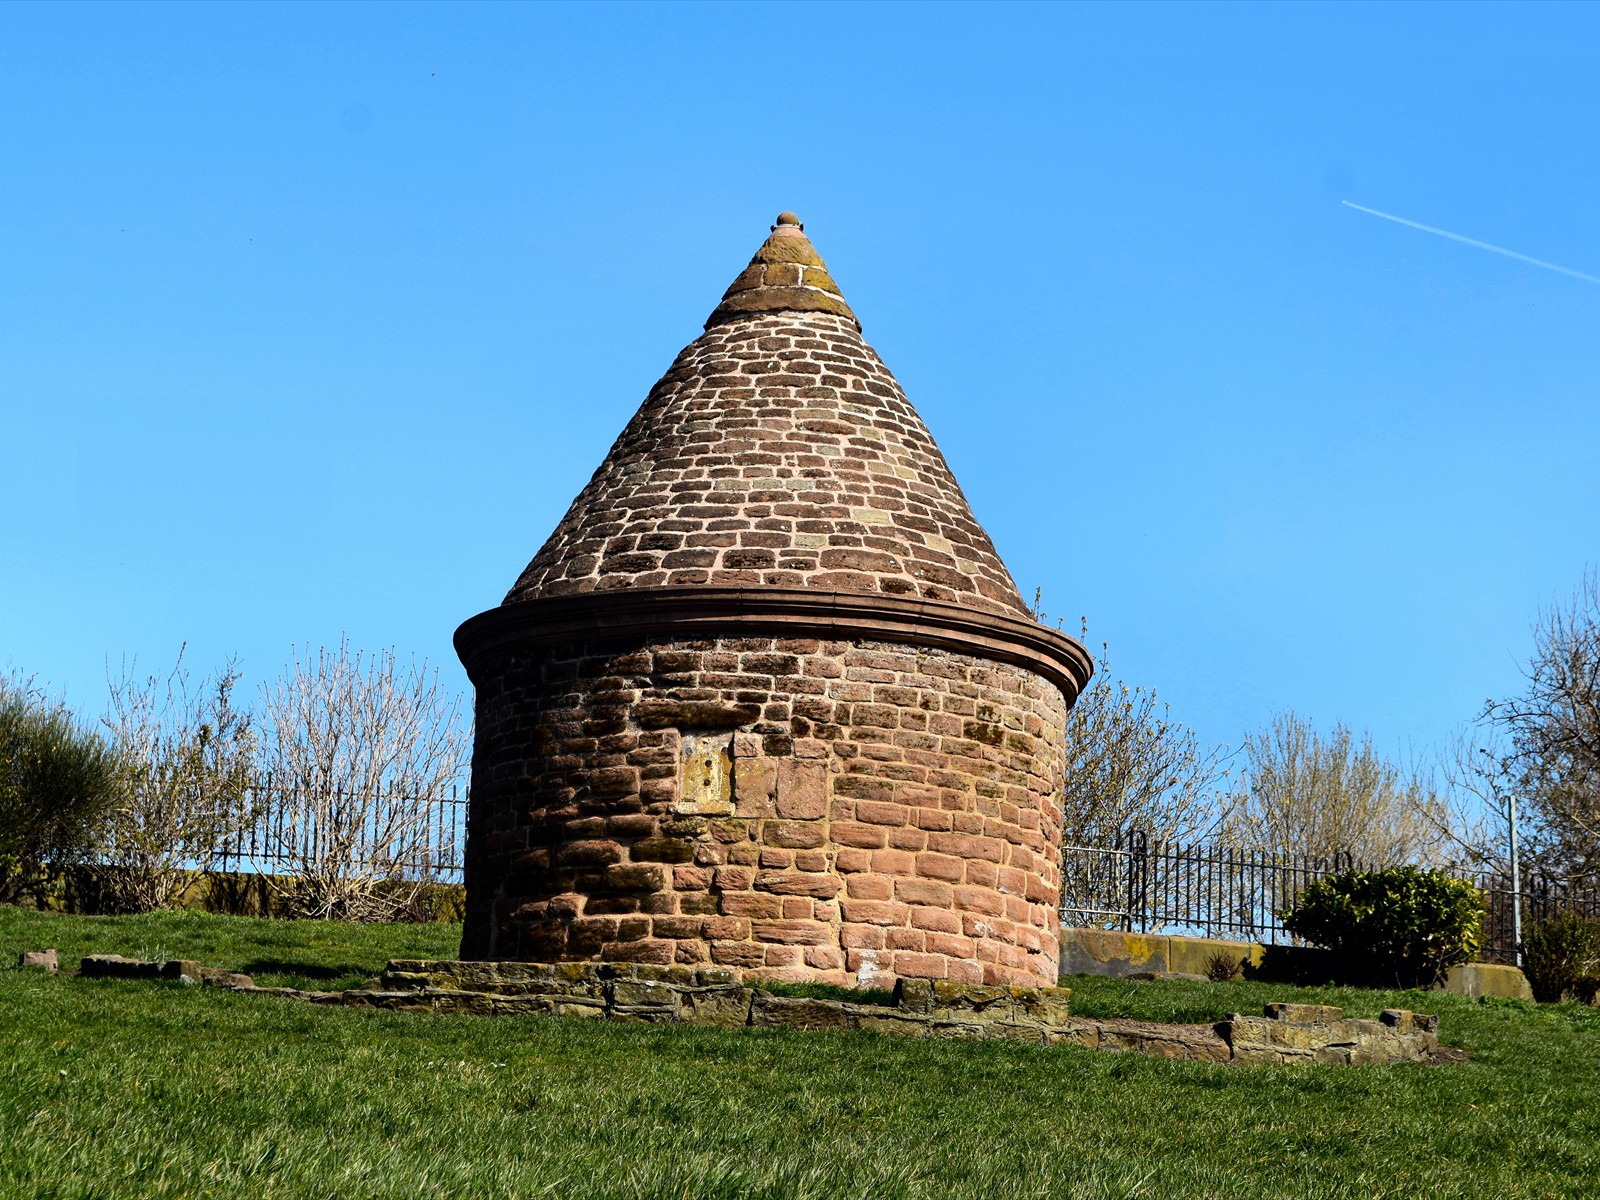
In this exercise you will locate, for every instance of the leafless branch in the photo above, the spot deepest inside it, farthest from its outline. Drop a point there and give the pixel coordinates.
(356, 749)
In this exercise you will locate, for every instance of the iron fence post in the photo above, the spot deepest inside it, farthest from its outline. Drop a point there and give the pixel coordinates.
(1516, 885)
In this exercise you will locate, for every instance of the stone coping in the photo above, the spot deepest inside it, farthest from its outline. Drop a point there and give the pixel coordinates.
(1162, 955)
(923, 1008)
(692, 611)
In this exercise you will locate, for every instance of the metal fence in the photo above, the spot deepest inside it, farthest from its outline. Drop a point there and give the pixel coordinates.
(1142, 886)
(1542, 898)
(396, 836)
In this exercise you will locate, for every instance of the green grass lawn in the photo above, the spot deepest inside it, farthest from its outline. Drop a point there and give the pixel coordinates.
(114, 1088)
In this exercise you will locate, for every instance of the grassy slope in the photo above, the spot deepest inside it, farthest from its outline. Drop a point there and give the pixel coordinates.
(111, 1088)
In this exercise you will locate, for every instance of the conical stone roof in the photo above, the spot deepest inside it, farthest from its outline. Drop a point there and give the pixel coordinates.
(777, 452)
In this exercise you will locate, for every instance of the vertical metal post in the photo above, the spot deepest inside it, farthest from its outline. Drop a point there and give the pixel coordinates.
(1143, 844)
(1516, 883)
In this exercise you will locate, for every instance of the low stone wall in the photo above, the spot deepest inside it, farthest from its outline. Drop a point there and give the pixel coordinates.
(114, 966)
(1120, 955)
(1117, 954)
(1320, 1033)
(715, 996)
(924, 1008)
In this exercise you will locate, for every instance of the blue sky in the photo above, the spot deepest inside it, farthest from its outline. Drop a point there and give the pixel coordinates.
(314, 318)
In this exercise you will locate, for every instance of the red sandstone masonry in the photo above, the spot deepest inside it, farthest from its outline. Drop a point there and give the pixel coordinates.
(846, 847)
(794, 805)
(777, 451)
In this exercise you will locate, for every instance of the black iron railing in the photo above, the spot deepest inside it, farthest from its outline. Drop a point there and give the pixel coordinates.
(1140, 885)
(392, 835)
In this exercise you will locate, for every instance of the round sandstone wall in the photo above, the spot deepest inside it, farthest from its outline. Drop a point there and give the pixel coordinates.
(846, 812)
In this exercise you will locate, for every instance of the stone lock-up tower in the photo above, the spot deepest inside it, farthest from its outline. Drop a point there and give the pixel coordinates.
(767, 698)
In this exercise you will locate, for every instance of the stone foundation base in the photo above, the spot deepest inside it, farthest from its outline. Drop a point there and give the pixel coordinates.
(925, 1008)
(920, 1008)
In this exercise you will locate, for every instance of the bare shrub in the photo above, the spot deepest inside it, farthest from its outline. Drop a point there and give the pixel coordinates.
(1223, 967)
(356, 749)
(1130, 765)
(1304, 792)
(1471, 818)
(185, 758)
(1551, 734)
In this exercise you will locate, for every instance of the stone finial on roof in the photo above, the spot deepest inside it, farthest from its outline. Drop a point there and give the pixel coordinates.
(786, 275)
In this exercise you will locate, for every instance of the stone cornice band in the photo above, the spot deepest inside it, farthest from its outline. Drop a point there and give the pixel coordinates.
(697, 612)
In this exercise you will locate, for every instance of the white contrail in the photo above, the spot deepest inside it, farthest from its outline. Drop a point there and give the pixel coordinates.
(1456, 237)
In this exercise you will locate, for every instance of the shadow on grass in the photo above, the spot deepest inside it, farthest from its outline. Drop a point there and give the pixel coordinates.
(305, 970)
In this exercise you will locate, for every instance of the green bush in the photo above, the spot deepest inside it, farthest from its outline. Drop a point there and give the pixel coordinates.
(58, 782)
(1562, 955)
(1401, 926)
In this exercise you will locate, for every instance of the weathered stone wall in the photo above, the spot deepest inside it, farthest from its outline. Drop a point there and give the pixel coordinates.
(790, 808)
(924, 1008)
(1117, 954)
(1321, 1033)
(1287, 1033)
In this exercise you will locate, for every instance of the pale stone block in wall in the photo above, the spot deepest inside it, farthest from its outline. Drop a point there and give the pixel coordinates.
(1190, 955)
(1111, 952)
(1488, 979)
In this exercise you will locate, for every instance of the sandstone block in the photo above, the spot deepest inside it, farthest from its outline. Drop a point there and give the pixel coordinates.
(115, 966)
(905, 837)
(875, 912)
(861, 937)
(783, 957)
(979, 900)
(751, 904)
(801, 835)
(755, 781)
(734, 878)
(1488, 979)
(848, 860)
(941, 866)
(802, 789)
(724, 1006)
(635, 877)
(893, 862)
(801, 932)
(661, 849)
(824, 958)
(876, 812)
(870, 887)
(738, 954)
(690, 878)
(594, 852)
(676, 926)
(850, 833)
(798, 883)
(917, 965)
(643, 950)
(950, 945)
(769, 1011)
(924, 891)
(724, 929)
(1304, 1014)
(637, 994)
(939, 920)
